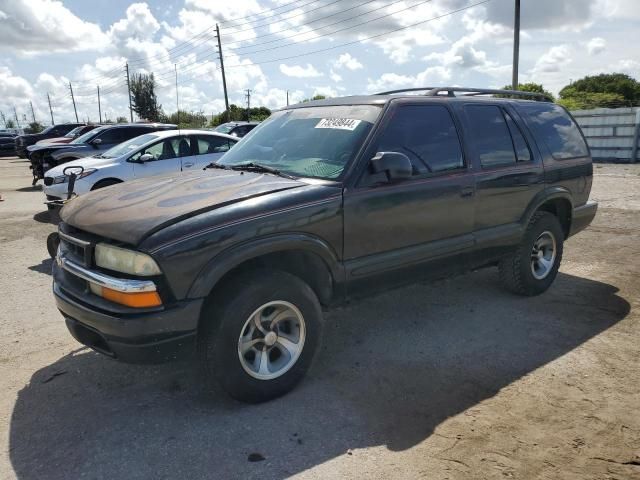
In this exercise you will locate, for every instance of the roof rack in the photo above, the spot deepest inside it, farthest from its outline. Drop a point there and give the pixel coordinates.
(469, 92)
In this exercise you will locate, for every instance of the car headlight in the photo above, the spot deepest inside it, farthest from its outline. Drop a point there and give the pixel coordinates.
(125, 261)
(65, 178)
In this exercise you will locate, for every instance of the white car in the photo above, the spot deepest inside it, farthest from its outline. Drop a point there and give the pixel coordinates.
(157, 153)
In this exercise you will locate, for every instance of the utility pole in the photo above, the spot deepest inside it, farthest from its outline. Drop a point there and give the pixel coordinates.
(287, 98)
(516, 46)
(4, 119)
(175, 65)
(15, 114)
(33, 114)
(248, 95)
(129, 90)
(74, 101)
(50, 109)
(99, 106)
(224, 78)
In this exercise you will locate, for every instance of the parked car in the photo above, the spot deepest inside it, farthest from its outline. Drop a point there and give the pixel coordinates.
(75, 133)
(7, 144)
(101, 139)
(237, 129)
(158, 153)
(324, 201)
(24, 141)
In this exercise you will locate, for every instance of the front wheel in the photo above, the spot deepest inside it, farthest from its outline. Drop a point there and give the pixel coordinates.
(533, 266)
(259, 334)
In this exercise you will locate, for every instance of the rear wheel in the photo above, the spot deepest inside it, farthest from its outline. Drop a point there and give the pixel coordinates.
(259, 334)
(533, 266)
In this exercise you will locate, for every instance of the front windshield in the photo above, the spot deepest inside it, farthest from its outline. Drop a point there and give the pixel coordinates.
(306, 142)
(129, 146)
(73, 132)
(84, 138)
(48, 129)
(224, 128)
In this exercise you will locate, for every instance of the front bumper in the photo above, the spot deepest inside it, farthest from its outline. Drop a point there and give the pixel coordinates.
(582, 217)
(149, 336)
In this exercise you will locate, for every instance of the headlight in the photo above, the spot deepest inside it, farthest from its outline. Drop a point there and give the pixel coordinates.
(125, 261)
(65, 178)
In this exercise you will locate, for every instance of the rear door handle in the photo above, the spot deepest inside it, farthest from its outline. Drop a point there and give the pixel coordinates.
(187, 165)
(467, 192)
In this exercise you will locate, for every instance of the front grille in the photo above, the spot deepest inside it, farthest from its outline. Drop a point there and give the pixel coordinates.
(48, 181)
(77, 249)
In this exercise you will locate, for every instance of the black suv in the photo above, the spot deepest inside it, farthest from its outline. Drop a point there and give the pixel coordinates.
(23, 141)
(325, 201)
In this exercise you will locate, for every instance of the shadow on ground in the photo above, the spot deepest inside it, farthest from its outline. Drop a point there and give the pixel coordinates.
(43, 267)
(34, 188)
(391, 370)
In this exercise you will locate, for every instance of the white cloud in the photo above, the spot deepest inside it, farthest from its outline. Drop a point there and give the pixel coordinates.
(553, 60)
(596, 45)
(298, 71)
(334, 76)
(392, 81)
(45, 26)
(326, 91)
(347, 61)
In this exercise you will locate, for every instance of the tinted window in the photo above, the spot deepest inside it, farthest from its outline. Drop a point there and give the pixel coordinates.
(519, 143)
(490, 136)
(165, 149)
(114, 135)
(427, 135)
(552, 125)
(210, 144)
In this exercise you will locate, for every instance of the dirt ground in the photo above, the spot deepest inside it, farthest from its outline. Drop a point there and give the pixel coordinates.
(452, 380)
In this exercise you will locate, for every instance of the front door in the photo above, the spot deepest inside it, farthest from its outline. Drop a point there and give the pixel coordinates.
(164, 160)
(429, 217)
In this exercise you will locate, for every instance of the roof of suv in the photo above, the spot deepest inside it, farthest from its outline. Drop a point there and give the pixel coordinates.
(463, 94)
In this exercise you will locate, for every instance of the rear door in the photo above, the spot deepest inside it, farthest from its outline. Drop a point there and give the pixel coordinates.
(509, 171)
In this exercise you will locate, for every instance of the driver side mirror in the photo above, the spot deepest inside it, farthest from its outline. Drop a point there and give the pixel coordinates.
(96, 142)
(395, 165)
(147, 157)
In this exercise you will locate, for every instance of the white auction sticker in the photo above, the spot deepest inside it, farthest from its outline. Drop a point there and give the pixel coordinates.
(338, 123)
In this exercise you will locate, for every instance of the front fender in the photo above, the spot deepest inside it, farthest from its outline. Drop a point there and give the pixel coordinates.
(230, 258)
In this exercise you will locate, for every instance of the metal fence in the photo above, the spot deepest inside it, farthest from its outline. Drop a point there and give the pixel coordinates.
(612, 133)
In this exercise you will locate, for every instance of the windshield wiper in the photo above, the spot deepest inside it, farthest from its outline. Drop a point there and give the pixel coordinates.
(216, 165)
(257, 167)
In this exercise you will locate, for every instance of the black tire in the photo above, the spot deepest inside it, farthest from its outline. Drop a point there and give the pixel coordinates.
(105, 183)
(53, 240)
(223, 321)
(516, 271)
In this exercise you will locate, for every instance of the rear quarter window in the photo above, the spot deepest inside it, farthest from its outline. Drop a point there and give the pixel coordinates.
(553, 126)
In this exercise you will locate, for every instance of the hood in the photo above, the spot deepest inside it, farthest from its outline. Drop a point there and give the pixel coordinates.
(86, 163)
(54, 140)
(131, 211)
(38, 147)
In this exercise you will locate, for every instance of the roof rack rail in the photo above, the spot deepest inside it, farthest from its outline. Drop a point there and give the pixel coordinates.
(470, 92)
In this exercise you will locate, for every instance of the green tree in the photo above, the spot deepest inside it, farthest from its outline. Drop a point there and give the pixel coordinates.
(238, 114)
(619, 84)
(34, 127)
(143, 96)
(122, 120)
(9, 123)
(527, 87)
(185, 119)
(573, 100)
(315, 97)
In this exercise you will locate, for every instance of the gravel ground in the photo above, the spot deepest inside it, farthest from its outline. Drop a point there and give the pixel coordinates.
(452, 380)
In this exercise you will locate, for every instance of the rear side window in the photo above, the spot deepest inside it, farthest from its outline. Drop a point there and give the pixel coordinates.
(211, 144)
(114, 135)
(490, 135)
(427, 135)
(553, 126)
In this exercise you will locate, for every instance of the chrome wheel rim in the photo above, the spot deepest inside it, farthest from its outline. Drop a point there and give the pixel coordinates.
(543, 255)
(271, 340)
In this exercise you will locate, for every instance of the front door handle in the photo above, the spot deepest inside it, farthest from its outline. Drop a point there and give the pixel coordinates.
(187, 165)
(467, 192)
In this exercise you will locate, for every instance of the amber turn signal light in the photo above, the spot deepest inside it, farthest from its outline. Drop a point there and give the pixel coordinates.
(136, 300)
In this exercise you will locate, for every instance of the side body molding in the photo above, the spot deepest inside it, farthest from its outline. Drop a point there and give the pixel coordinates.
(228, 259)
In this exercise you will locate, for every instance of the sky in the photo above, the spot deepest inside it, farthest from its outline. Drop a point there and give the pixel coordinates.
(328, 47)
